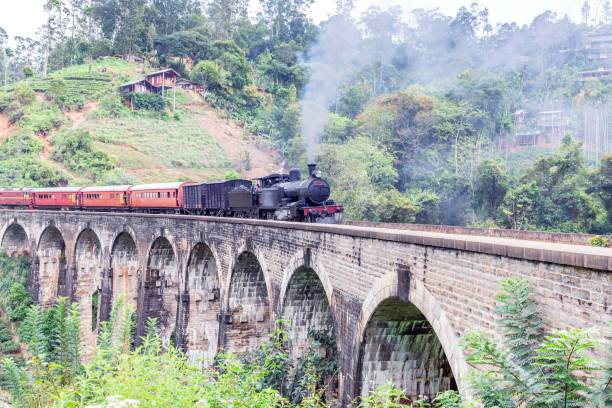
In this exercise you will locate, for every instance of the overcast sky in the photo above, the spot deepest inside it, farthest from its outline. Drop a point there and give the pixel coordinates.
(23, 17)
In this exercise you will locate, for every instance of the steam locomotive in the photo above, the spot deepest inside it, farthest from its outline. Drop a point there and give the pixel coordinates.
(284, 197)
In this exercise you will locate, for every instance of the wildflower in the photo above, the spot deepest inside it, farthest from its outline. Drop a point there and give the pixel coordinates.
(479, 405)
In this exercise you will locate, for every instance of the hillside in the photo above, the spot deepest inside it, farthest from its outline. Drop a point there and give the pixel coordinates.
(79, 103)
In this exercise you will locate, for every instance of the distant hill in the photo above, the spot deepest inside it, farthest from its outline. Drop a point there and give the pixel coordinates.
(78, 131)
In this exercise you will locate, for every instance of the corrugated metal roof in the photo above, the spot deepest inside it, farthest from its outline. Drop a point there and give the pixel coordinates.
(105, 188)
(57, 190)
(159, 186)
(159, 72)
(15, 189)
(131, 83)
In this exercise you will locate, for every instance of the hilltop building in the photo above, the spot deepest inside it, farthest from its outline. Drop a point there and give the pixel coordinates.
(599, 47)
(159, 82)
(599, 73)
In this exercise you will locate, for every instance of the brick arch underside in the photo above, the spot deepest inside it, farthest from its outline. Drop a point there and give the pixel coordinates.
(87, 282)
(157, 295)
(201, 305)
(51, 265)
(307, 309)
(401, 346)
(15, 240)
(247, 321)
(124, 270)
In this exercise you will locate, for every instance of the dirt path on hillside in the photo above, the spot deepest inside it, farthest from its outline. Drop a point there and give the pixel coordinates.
(232, 139)
(6, 129)
(78, 117)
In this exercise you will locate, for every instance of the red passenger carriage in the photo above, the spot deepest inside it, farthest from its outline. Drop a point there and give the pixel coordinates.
(106, 197)
(63, 198)
(157, 197)
(16, 197)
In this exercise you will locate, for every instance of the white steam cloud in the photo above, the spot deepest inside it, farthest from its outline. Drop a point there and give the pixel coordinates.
(329, 62)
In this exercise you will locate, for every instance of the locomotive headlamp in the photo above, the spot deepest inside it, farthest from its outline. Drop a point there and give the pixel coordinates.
(317, 173)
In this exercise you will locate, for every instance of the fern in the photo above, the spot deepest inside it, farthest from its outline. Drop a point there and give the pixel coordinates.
(14, 379)
(520, 321)
(527, 368)
(602, 395)
(564, 355)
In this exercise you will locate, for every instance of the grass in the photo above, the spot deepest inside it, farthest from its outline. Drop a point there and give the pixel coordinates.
(154, 149)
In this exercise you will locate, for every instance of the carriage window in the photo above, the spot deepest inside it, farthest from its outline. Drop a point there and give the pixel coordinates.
(168, 194)
(174, 194)
(158, 194)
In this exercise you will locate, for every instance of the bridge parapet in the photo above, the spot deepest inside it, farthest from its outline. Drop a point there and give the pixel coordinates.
(216, 282)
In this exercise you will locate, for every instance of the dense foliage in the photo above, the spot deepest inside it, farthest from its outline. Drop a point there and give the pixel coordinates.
(75, 149)
(529, 367)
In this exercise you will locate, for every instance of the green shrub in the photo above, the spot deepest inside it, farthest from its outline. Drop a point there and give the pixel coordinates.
(75, 149)
(9, 347)
(19, 300)
(20, 165)
(41, 117)
(23, 94)
(599, 241)
(112, 105)
(147, 101)
(57, 91)
(5, 335)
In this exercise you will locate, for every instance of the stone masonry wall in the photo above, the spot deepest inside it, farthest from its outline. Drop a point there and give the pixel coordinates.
(450, 279)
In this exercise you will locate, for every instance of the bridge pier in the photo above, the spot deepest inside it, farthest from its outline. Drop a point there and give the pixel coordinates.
(396, 301)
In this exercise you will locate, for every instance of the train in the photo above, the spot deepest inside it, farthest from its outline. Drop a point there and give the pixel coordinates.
(283, 197)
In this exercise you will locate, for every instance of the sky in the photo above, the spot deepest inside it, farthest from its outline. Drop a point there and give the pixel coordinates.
(23, 17)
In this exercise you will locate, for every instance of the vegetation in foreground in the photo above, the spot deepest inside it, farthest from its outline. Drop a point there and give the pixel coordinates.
(525, 368)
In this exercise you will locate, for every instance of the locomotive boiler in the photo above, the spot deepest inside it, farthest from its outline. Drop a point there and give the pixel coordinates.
(288, 198)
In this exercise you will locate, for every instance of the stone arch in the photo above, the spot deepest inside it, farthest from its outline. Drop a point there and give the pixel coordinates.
(246, 321)
(88, 282)
(200, 304)
(247, 247)
(406, 338)
(15, 240)
(124, 269)
(305, 259)
(51, 264)
(306, 305)
(158, 290)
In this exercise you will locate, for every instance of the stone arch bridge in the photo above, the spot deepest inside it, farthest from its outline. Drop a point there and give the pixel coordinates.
(397, 301)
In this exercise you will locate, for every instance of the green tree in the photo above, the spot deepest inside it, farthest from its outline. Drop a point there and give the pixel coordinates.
(337, 130)
(286, 18)
(210, 75)
(225, 17)
(601, 183)
(183, 45)
(366, 171)
(490, 186)
(353, 100)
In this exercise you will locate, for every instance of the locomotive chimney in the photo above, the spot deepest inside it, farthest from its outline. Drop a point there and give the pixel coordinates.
(311, 168)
